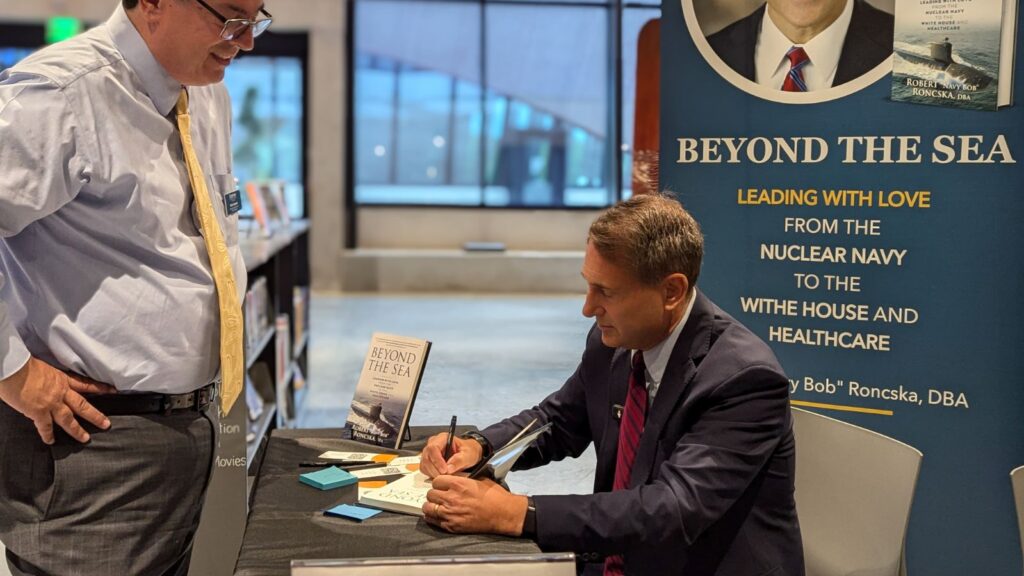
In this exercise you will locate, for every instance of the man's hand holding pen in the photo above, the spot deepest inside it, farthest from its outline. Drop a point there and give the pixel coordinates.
(464, 454)
(460, 504)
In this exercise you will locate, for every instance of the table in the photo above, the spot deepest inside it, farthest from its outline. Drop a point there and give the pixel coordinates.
(286, 520)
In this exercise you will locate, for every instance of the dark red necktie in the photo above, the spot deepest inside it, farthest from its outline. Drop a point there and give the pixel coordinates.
(795, 79)
(630, 429)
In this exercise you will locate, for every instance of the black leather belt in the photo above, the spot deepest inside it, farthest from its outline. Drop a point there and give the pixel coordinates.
(152, 402)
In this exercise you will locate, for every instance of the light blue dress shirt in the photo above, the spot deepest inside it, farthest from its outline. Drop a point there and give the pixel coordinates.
(103, 271)
(656, 359)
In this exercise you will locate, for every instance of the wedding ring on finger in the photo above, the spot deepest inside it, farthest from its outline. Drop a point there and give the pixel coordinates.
(437, 507)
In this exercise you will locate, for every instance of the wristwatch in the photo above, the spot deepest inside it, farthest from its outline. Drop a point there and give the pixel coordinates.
(530, 521)
(483, 441)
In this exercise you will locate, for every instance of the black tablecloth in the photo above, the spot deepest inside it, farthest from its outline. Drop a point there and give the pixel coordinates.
(286, 520)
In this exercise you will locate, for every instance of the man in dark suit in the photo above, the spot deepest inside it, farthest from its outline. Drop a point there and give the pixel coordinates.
(688, 411)
(840, 40)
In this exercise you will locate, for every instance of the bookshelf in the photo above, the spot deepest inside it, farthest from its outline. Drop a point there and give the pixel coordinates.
(279, 319)
(276, 311)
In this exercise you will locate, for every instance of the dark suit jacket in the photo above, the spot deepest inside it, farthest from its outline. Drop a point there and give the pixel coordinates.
(711, 490)
(868, 42)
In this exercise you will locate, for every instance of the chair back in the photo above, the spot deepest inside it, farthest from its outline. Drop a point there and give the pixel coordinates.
(1017, 479)
(854, 488)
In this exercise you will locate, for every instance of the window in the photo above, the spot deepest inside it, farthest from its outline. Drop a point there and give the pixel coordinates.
(418, 99)
(547, 70)
(491, 103)
(9, 56)
(268, 100)
(18, 41)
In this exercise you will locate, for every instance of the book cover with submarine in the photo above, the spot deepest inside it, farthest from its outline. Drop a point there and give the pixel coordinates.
(955, 53)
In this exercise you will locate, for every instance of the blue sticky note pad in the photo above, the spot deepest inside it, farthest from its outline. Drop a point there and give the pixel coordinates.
(354, 512)
(328, 478)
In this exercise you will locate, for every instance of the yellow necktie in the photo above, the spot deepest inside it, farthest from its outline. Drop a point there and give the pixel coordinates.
(231, 354)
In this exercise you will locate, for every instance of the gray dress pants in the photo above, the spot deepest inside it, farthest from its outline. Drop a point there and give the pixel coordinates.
(126, 503)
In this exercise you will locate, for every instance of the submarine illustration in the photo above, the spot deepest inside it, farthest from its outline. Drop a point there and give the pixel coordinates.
(370, 418)
(941, 58)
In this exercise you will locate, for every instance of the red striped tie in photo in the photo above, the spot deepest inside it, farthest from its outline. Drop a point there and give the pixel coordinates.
(795, 79)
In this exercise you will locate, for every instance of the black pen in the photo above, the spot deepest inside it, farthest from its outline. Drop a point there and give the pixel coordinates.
(312, 464)
(448, 444)
(364, 466)
(344, 465)
(334, 462)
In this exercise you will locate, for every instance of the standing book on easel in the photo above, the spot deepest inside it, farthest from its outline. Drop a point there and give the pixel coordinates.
(386, 390)
(957, 53)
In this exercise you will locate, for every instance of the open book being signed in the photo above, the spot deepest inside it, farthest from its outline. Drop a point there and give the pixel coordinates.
(408, 494)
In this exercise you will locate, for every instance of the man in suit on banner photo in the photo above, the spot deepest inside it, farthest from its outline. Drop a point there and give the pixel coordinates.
(688, 411)
(806, 45)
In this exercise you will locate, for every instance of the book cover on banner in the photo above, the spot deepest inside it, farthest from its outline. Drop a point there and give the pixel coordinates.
(955, 53)
(387, 387)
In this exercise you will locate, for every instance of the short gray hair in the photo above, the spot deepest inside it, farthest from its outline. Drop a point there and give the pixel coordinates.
(652, 235)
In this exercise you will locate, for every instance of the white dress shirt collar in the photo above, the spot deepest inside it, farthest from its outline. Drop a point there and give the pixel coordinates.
(823, 52)
(161, 88)
(656, 359)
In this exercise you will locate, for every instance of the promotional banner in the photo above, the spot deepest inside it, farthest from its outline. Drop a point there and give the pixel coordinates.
(867, 225)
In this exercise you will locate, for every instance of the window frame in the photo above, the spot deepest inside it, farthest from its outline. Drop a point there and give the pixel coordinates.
(614, 152)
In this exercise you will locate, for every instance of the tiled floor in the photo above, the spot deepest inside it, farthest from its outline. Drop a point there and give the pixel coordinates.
(491, 357)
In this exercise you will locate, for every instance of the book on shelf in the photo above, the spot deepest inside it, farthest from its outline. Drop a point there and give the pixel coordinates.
(269, 206)
(957, 53)
(408, 494)
(253, 400)
(300, 314)
(259, 209)
(298, 378)
(275, 201)
(261, 380)
(283, 352)
(386, 390)
(283, 360)
(257, 311)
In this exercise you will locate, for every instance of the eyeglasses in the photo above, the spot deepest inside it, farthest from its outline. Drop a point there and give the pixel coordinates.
(235, 27)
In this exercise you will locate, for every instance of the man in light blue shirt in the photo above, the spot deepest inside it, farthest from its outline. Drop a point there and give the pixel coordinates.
(109, 318)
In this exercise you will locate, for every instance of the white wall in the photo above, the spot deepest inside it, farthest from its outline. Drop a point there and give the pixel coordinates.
(432, 228)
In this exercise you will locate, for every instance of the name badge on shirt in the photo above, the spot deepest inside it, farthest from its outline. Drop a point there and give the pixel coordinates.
(232, 202)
